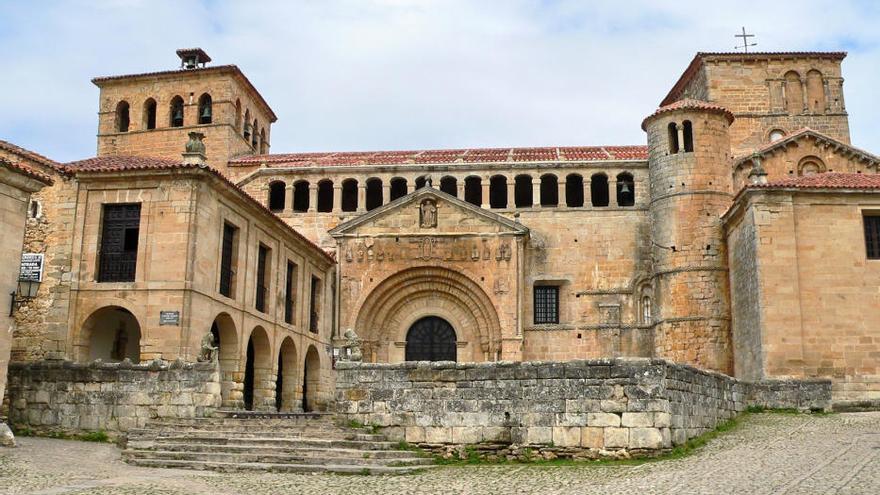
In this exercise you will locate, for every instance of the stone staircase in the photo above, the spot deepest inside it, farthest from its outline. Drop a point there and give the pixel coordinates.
(284, 442)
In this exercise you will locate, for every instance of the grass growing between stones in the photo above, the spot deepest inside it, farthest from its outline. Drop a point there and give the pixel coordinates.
(91, 436)
(473, 458)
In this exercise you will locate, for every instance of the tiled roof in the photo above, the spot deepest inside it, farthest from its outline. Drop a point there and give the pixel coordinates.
(31, 155)
(98, 81)
(137, 163)
(828, 180)
(806, 132)
(689, 104)
(695, 65)
(27, 171)
(474, 155)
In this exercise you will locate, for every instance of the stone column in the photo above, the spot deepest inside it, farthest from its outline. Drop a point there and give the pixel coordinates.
(485, 184)
(337, 197)
(459, 189)
(511, 192)
(536, 192)
(411, 186)
(612, 192)
(560, 193)
(588, 193)
(804, 94)
(313, 197)
(288, 198)
(680, 129)
(362, 196)
(827, 92)
(386, 193)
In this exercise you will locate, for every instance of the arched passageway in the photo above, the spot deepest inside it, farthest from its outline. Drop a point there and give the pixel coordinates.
(311, 381)
(258, 394)
(110, 334)
(431, 339)
(226, 340)
(286, 386)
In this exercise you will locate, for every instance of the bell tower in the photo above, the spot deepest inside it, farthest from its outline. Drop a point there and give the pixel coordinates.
(691, 187)
(150, 114)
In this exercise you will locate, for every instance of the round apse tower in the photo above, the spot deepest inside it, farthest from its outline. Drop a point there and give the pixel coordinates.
(691, 187)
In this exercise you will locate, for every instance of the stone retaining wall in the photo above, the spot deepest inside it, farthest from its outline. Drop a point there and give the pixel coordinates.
(575, 408)
(65, 397)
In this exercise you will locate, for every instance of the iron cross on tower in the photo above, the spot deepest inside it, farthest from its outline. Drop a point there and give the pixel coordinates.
(745, 46)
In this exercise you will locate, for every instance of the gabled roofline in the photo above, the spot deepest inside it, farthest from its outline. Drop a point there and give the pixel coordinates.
(342, 229)
(697, 63)
(26, 171)
(806, 132)
(232, 69)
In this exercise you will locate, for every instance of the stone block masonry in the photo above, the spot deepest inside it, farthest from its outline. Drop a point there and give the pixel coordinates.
(574, 409)
(64, 397)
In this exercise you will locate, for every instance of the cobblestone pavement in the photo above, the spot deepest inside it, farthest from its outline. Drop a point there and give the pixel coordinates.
(770, 454)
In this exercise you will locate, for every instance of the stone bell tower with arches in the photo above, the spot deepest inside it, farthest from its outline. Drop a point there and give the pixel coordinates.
(150, 114)
(691, 187)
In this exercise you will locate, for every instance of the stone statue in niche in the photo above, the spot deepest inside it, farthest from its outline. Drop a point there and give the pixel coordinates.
(208, 354)
(428, 214)
(501, 286)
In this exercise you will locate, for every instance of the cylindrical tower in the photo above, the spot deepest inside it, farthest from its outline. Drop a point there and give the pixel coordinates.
(691, 187)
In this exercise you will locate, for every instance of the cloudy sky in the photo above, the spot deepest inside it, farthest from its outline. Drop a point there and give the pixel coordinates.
(405, 74)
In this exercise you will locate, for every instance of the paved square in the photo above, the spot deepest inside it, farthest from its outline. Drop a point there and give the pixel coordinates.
(769, 454)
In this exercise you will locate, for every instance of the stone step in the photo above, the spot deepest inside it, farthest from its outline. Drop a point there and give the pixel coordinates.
(306, 451)
(251, 415)
(266, 441)
(277, 468)
(328, 456)
(198, 434)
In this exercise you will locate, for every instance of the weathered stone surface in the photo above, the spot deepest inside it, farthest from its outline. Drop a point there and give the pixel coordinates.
(7, 439)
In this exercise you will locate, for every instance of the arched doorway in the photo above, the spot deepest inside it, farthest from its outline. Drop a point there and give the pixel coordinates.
(285, 383)
(110, 334)
(311, 380)
(226, 340)
(257, 372)
(431, 339)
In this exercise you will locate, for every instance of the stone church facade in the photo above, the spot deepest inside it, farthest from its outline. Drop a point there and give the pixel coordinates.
(744, 238)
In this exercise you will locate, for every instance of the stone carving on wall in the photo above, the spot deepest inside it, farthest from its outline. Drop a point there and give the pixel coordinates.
(208, 353)
(428, 214)
(427, 248)
(501, 286)
(610, 313)
(352, 349)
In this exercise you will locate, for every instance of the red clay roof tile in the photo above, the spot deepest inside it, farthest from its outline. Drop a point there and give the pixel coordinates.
(27, 171)
(475, 155)
(689, 104)
(828, 180)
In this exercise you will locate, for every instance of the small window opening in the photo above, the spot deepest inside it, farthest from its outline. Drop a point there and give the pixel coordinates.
(549, 190)
(277, 194)
(349, 195)
(449, 185)
(546, 304)
(498, 192)
(176, 112)
(398, 188)
(473, 190)
(122, 120)
(872, 236)
(522, 191)
(626, 190)
(205, 109)
(688, 136)
(325, 196)
(150, 114)
(673, 138)
(374, 193)
(574, 191)
(599, 190)
(301, 196)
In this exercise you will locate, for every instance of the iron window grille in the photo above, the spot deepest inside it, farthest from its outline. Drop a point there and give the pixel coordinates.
(546, 304)
(227, 272)
(119, 243)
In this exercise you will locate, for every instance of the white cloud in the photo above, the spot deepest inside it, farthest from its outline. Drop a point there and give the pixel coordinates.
(393, 74)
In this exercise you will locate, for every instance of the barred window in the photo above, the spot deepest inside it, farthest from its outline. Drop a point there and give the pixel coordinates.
(119, 242)
(546, 304)
(228, 259)
(872, 236)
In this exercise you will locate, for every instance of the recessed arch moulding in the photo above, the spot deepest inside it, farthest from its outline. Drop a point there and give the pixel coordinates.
(457, 262)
